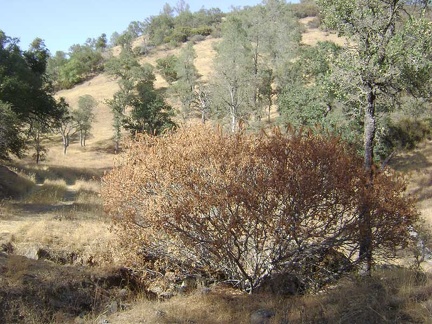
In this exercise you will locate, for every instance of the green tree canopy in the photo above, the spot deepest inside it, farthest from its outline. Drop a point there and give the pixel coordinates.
(25, 93)
(150, 114)
(389, 56)
(84, 116)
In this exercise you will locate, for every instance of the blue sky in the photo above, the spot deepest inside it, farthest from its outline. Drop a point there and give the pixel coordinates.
(62, 23)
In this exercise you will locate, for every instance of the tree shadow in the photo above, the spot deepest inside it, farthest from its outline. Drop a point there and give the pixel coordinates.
(69, 174)
(46, 292)
(418, 167)
(411, 161)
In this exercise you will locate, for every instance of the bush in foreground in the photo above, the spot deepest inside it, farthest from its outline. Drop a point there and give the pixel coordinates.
(252, 205)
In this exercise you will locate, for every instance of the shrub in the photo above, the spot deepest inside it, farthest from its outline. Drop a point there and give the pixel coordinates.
(305, 9)
(202, 30)
(197, 38)
(166, 67)
(250, 205)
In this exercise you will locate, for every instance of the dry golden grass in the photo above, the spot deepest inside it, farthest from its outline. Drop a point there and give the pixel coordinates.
(50, 192)
(314, 35)
(90, 240)
(417, 165)
(205, 54)
(392, 296)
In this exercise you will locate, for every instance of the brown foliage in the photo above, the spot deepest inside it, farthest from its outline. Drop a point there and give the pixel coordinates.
(250, 205)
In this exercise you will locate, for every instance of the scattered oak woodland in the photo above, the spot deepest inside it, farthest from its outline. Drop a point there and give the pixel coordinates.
(249, 162)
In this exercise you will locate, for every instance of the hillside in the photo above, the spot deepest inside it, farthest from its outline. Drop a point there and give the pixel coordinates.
(102, 87)
(56, 220)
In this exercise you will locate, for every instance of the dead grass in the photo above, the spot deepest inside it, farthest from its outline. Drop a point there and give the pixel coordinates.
(417, 166)
(63, 214)
(312, 36)
(90, 241)
(13, 183)
(50, 192)
(391, 296)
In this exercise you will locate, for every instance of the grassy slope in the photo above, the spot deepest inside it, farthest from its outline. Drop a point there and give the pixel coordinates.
(98, 153)
(102, 87)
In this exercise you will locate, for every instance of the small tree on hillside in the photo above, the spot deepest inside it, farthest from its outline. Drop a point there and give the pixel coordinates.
(202, 101)
(167, 68)
(38, 132)
(184, 88)
(150, 114)
(128, 72)
(232, 85)
(251, 205)
(84, 116)
(117, 105)
(66, 125)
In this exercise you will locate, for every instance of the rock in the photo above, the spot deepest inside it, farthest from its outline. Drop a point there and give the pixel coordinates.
(29, 251)
(160, 313)
(123, 293)
(112, 308)
(79, 320)
(261, 316)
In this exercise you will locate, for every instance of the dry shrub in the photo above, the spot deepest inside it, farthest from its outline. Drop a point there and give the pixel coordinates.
(251, 205)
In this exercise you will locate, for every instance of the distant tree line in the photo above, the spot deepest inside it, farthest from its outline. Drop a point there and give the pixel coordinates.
(178, 24)
(79, 64)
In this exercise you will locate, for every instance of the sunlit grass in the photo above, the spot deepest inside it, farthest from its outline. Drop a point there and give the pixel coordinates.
(50, 192)
(390, 296)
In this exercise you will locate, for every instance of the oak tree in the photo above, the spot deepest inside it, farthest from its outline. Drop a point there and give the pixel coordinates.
(389, 54)
(84, 116)
(26, 95)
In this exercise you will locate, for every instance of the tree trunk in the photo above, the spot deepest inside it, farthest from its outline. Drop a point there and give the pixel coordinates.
(81, 137)
(269, 107)
(116, 146)
(65, 143)
(38, 149)
(366, 248)
(233, 122)
(203, 116)
(369, 132)
(84, 138)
